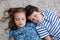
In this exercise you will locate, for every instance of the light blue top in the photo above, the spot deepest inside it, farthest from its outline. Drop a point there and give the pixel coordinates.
(26, 33)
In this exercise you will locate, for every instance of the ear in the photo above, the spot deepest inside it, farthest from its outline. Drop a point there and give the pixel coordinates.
(40, 11)
(58, 14)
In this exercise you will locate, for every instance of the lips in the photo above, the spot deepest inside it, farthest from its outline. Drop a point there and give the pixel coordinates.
(20, 24)
(36, 21)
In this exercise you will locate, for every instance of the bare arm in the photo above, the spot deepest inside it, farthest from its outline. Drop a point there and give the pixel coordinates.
(48, 38)
(12, 39)
(58, 14)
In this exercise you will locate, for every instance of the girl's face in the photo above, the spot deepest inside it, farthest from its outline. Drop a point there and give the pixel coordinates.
(36, 17)
(20, 19)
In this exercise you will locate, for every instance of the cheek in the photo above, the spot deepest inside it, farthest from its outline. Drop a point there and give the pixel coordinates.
(38, 16)
(24, 21)
(16, 22)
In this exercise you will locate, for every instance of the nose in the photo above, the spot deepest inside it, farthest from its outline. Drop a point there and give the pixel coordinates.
(20, 21)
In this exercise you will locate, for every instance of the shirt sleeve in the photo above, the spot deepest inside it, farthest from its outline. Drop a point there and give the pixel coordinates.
(42, 31)
(11, 34)
(51, 14)
(32, 34)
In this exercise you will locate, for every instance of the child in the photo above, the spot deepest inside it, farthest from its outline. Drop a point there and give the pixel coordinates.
(48, 23)
(19, 29)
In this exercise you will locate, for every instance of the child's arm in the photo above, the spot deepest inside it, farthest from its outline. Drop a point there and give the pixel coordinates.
(59, 14)
(12, 39)
(48, 38)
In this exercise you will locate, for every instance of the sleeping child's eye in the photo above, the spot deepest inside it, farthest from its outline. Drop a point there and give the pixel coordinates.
(17, 19)
(23, 19)
(35, 15)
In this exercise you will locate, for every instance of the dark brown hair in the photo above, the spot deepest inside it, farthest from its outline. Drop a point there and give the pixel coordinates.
(11, 12)
(30, 9)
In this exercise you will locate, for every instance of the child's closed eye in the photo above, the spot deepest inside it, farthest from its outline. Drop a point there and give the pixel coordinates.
(17, 19)
(23, 19)
(35, 15)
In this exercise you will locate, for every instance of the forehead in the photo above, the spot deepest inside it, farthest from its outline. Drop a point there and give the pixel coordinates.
(34, 13)
(19, 14)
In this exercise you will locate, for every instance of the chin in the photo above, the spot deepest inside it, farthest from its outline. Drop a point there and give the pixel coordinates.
(21, 26)
(36, 22)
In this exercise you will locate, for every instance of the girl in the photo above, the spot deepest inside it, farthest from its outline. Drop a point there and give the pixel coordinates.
(19, 29)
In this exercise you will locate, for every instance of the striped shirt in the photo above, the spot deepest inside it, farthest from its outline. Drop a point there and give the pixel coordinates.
(50, 25)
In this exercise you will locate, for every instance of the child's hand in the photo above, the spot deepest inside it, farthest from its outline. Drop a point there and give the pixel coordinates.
(51, 37)
(58, 14)
(48, 38)
(12, 39)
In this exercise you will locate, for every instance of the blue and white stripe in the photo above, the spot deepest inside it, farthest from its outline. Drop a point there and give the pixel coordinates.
(50, 25)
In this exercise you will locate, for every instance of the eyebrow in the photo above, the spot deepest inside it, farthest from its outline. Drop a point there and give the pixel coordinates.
(17, 18)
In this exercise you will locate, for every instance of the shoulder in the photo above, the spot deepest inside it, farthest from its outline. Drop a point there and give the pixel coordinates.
(50, 12)
(31, 24)
(11, 31)
(30, 30)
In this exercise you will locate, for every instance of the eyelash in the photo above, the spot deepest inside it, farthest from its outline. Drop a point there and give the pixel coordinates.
(19, 19)
(22, 19)
(34, 15)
